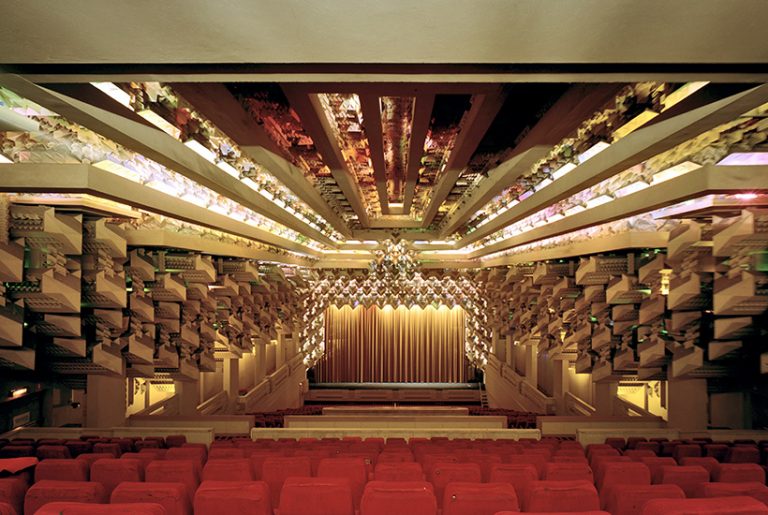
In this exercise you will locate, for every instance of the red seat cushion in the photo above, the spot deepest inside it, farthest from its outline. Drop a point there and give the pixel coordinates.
(171, 496)
(749, 489)
(568, 472)
(47, 491)
(398, 471)
(228, 470)
(174, 471)
(738, 473)
(478, 499)
(78, 508)
(317, 496)
(62, 470)
(560, 496)
(719, 506)
(230, 497)
(112, 472)
(688, 478)
(628, 499)
(352, 469)
(400, 497)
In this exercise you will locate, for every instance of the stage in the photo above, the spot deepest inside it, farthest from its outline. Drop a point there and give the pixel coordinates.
(394, 386)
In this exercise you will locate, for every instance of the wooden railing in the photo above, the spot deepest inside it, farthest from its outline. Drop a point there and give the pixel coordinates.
(576, 406)
(624, 407)
(215, 404)
(169, 406)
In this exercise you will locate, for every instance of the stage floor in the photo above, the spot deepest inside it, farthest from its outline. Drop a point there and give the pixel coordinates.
(394, 386)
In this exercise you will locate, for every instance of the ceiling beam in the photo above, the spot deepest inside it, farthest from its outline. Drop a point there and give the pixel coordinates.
(577, 104)
(160, 147)
(634, 148)
(478, 119)
(499, 179)
(373, 130)
(216, 103)
(308, 107)
(422, 115)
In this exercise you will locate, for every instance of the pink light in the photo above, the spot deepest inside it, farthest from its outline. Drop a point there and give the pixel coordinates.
(746, 196)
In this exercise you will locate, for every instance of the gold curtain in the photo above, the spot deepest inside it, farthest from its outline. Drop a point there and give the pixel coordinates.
(374, 345)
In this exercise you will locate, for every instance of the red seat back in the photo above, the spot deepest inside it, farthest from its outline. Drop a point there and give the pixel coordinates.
(274, 472)
(353, 469)
(628, 499)
(62, 470)
(403, 498)
(227, 470)
(444, 473)
(112, 472)
(688, 478)
(171, 496)
(233, 497)
(478, 499)
(568, 472)
(46, 491)
(398, 471)
(560, 496)
(738, 473)
(174, 471)
(519, 475)
(749, 489)
(316, 496)
(719, 506)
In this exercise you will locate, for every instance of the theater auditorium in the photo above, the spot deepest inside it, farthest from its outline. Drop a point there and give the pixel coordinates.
(383, 258)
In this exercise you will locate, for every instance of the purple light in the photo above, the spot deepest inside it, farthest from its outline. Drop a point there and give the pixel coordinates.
(745, 159)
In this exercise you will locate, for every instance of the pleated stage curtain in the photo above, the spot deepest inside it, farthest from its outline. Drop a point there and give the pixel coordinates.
(387, 345)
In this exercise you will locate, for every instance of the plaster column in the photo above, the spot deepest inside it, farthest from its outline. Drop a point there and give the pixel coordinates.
(560, 383)
(232, 382)
(510, 352)
(280, 350)
(532, 364)
(188, 394)
(603, 395)
(499, 345)
(260, 367)
(105, 401)
(687, 404)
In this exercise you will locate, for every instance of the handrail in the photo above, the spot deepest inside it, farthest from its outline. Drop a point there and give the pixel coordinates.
(215, 404)
(633, 409)
(577, 406)
(169, 406)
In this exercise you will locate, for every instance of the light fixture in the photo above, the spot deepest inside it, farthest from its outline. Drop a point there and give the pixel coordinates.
(599, 201)
(114, 92)
(199, 149)
(631, 188)
(634, 124)
(396, 204)
(574, 210)
(674, 171)
(117, 169)
(563, 170)
(745, 159)
(159, 122)
(543, 184)
(593, 151)
(5, 160)
(229, 169)
(18, 392)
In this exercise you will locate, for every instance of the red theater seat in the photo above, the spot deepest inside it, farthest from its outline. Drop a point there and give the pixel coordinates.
(233, 497)
(62, 470)
(636, 454)
(688, 478)
(398, 471)
(686, 451)
(112, 472)
(738, 473)
(568, 472)
(742, 454)
(518, 475)
(7, 509)
(537, 460)
(47, 491)
(171, 496)
(187, 453)
(600, 463)
(654, 447)
(566, 496)
(77, 447)
(16, 451)
(628, 499)
(175, 440)
(401, 498)
(227, 470)
(46, 452)
(749, 489)
(353, 469)
(315, 456)
(108, 448)
(316, 496)
(145, 459)
(174, 471)
(655, 465)
(12, 491)
(716, 450)
(77, 508)
(274, 472)
(718, 506)
(478, 499)
(444, 473)
(225, 453)
(616, 442)
(708, 463)
(486, 462)
(147, 444)
(91, 458)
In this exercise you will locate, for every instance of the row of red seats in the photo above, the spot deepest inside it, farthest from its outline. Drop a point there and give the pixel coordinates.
(59, 448)
(739, 451)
